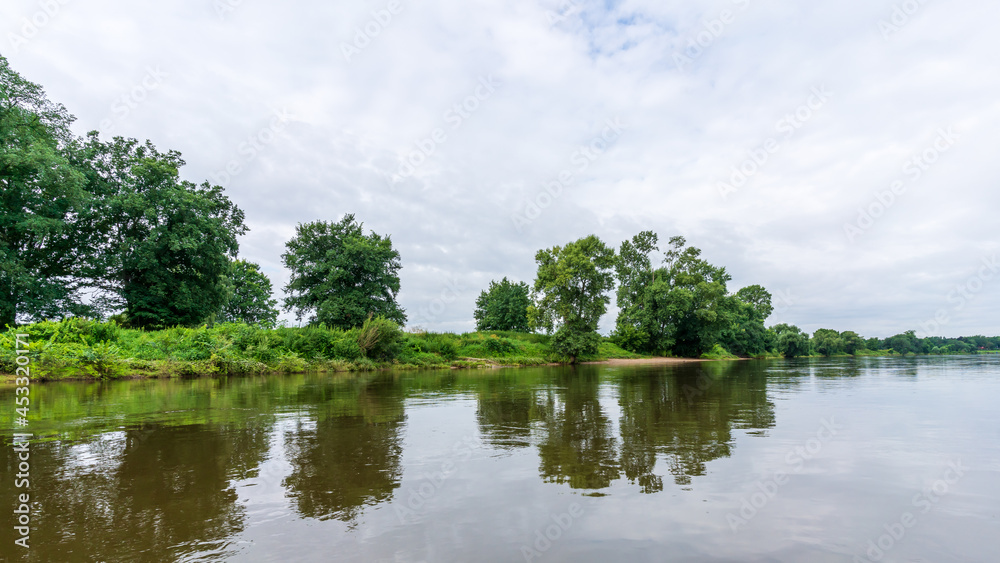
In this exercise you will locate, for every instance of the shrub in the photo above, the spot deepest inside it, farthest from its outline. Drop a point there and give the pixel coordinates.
(718, 353)
(498, 346)
(346, 349)
(379, 338)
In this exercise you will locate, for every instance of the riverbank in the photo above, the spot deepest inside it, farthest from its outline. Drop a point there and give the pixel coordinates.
(80, 349)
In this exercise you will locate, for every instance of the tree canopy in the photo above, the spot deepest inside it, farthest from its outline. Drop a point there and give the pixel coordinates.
(112, 219)
(680, 307)
(340, 276)
(570, 294)
(43, 237)
(250, 299)
(504, 306)
(167, 243)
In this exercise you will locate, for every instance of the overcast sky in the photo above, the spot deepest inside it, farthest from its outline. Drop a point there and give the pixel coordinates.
(476, 133)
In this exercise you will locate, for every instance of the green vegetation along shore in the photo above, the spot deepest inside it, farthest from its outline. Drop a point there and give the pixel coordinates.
(84, 349)
(79, 348)
(142, 269)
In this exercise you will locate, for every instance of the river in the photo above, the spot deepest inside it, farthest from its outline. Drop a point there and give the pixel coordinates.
(811, 460)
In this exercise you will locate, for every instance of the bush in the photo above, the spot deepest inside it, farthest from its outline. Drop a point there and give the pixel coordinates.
(379, 339)
(313, 341)
(718, 353)
(574, 342)
(346, 349)
(498, 346)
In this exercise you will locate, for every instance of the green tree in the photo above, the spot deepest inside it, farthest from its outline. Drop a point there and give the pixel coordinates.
(680, 307)
(250, 299)
(758, 298)
(689, 301)
(904, 343)
(746, 310)
(504, 306)
(827, 342)
(852, 342)
(43, 235)
(166, 243)
(791, 341)
(570, 294)
(340, 276)
(634, 272)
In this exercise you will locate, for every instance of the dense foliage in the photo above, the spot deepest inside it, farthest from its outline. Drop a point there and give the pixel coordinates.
(79, 347)
(569, 294)
(166, 245)
(340, 276)
(112, 219)
(683, 307)
(249, 298)
(43, 236)
(92, 228)
(504, 306)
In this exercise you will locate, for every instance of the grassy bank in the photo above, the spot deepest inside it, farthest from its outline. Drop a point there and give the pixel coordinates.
(84, 349)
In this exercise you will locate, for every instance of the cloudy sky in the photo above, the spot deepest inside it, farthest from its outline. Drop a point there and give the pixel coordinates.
(838, 153)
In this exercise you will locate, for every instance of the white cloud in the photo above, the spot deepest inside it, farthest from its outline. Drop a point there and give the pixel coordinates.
(557, 83)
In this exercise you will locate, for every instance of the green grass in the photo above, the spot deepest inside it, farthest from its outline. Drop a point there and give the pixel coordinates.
(84, 349)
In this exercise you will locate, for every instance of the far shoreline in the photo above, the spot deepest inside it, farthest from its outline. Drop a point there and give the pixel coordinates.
(482, 363)
(462, 364)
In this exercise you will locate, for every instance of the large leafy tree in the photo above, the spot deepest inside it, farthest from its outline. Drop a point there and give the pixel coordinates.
(827, 341)
(250, 296)
(691, 299)
(904, 343)
(570, 294)
(43, 235)
(791, 341)
(634, 270)
(504, 306)
(340, 276)
(745, 334)
(758, 298)
(165, 256)
(852, 341)
(680, 307)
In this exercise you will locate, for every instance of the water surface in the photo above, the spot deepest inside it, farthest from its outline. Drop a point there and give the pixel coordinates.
(756, 461)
